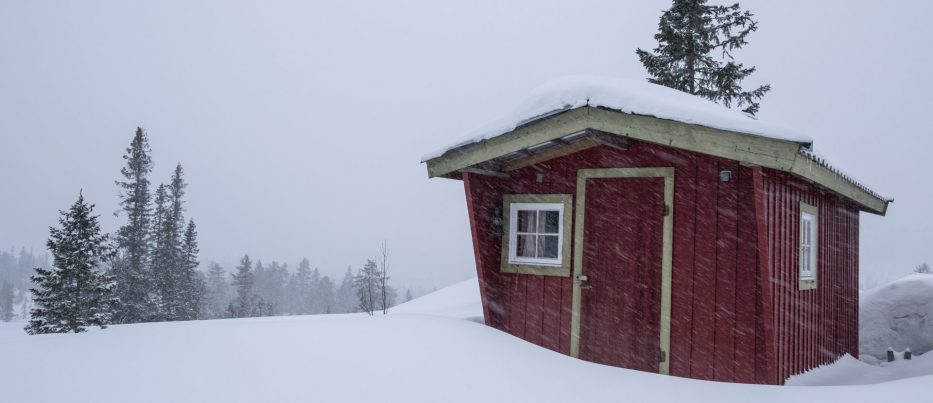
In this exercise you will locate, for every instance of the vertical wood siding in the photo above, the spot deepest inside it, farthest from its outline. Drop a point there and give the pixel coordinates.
(812, 327)
(719, 306)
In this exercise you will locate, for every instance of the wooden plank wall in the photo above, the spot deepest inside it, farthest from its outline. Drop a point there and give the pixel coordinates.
(812, 327)
(716, 318)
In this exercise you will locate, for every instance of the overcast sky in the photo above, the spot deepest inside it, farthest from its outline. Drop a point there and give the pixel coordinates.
(301, 125)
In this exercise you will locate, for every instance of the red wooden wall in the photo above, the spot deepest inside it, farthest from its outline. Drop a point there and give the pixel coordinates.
(813, 327)
(718, 325)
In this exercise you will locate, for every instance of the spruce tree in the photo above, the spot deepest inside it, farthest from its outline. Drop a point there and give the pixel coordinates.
(191, 286)
(408, 296)
(245, 303)
(169, 263)
(161, 254)
(131, 271)
(74, 293)
(689, 34)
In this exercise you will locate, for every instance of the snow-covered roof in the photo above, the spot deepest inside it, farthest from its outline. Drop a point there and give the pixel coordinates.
(776, 146)
(630, 96)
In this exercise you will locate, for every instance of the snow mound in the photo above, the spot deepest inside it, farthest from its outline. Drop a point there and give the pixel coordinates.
(459, 301)
(849, 371)
(897, 315)
(630, 96)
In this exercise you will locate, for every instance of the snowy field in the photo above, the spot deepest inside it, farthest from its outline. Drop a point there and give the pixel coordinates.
(428, 350)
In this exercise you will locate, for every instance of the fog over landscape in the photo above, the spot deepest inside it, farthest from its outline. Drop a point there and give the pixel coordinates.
(301, 125)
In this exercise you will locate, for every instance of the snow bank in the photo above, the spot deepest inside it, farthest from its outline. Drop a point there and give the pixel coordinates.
(410, 356)
(459, 301)
(897, 315)
(629, 96)
(849, 371)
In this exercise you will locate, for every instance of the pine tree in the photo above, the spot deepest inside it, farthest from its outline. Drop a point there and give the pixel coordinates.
(245, 303)
(191, 286)
(131, 271)
(408, 296)
(217, 292)
(74, 293)
(688, 35)
(6, 301)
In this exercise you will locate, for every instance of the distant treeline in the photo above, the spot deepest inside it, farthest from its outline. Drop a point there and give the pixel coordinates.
(255, 289)
(15, 269)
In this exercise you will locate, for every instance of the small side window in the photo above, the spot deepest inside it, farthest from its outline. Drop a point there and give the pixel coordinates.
(536, 237)
(809, 246)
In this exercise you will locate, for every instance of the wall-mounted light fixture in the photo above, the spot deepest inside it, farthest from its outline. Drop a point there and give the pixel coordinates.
(725, 176)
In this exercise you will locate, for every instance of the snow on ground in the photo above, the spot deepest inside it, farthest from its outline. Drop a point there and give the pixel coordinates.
(897, 315)
(412, 355)
(460, 301)
(629, 96)
(850, 371)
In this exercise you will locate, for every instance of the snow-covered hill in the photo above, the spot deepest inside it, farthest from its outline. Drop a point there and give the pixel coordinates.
(415, 354)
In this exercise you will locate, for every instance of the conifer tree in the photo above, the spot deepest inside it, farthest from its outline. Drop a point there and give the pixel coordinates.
(690, 33)
(269, 285)
(191, 286)
(325, 295)
(217, 293)
(161, 259)
(408, 296)
(172, 279)
(299, 289)
(6, 301)
(131, 271)
(345, 300)
(74, 293)
(245, 303)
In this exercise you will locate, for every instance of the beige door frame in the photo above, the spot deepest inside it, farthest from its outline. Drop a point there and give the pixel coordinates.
(666, 251)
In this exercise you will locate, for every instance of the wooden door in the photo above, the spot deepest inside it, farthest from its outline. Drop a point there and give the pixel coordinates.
(620, 300)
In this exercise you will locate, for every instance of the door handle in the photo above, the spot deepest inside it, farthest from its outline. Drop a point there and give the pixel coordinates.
(581, 279)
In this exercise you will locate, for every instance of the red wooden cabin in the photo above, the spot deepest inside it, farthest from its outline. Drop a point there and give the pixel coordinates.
(632, 225)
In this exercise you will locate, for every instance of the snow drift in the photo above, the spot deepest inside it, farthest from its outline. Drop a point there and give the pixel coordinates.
(412, 355)
(897, 315)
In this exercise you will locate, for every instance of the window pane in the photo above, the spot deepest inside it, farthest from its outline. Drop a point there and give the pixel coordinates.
(547, 246)
(548, 223)
(805, 251)
(806, 233)
(525, 246)
(526, 220)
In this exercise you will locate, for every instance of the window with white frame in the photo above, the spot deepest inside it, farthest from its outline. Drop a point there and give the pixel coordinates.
(809, 236)
(536, 232)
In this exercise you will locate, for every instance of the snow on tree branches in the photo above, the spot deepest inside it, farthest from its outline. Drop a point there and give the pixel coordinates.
(74, 293)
